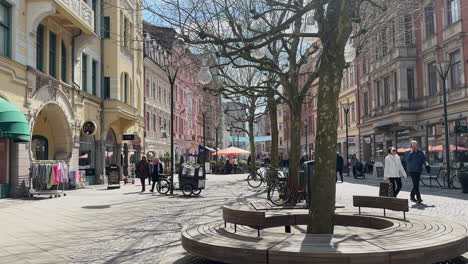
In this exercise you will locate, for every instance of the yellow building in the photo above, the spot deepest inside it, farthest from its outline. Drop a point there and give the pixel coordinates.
(348, 106)
(52, 69)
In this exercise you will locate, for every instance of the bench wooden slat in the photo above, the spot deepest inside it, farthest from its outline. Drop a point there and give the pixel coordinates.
(244, 217)
(391, 203)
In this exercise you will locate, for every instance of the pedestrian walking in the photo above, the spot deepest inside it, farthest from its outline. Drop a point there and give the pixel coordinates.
(151, 166)
(394, 170)
(415, 159)
(158, 170)
(339, 166)
(142, 169)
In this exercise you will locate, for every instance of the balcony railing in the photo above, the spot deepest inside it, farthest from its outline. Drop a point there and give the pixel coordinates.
(80, 9)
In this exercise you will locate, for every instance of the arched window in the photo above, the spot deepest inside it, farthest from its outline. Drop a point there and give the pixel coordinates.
(154, 122)
(125, 88)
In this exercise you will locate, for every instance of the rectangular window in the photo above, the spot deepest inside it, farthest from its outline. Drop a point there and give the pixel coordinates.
(366, 103)
(383, 41)
(40, 48)
(352, 77)
(53, 54)
(453, 11)
(353, 112)
(455, 70)
(94, 7)
(63, 62)
(84, 72)
(408, 30)
(125, 32)
(386, 87)
(106, 87)
(432, 78)
(5, 29)
(410, 83)
(429, 21)
(379, 94)
(106, 28)
(94, 77)
(364, 64)
(395, 87)
(126, 88)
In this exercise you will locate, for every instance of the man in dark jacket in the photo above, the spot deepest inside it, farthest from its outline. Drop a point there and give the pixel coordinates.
(339, 166)
(415, 159)
(142, 170)
(158, 170)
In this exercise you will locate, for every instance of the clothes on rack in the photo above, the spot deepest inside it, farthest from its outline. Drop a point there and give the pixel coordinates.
(46, 174)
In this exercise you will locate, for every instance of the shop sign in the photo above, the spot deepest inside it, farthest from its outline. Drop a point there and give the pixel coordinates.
(89, 128)
(367, 140)
(129, 137)
(136, 141)
(379, 138)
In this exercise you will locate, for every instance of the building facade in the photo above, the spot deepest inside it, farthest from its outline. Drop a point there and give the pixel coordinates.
(157, 92)
(400, 88)
(55, 71)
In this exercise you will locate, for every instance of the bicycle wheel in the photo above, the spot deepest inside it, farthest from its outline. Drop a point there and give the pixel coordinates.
(254, 180)
(455, 182)
(279, 193)
(163, 186)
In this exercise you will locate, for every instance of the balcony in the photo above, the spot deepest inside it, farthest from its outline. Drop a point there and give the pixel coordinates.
(78, 13)
(452, 30)
(116, 110)
(74, 14)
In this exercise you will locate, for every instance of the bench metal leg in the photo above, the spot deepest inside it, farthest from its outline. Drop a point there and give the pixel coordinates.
(235, 228)
(404, 215)
(258, 232)
(287, 229)
(384, 212)
(359, 210)
(225, 224)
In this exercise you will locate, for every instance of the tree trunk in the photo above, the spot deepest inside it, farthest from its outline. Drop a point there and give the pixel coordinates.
(253, 159)
(335, 33)
(273, 113)
(295, 142)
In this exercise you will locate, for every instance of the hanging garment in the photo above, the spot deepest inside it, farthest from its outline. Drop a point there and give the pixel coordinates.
(56, 173)
(50, 180)
(43, 174)
(65, 177)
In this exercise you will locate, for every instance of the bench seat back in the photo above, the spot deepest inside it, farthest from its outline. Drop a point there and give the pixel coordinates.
(243, 217)
(391, 203)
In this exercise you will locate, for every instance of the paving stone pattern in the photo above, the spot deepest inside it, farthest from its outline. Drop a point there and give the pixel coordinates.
(96, 225)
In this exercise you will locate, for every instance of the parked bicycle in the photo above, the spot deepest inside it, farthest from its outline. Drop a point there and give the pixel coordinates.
(281, 193)
(267, 174)
(454, 181)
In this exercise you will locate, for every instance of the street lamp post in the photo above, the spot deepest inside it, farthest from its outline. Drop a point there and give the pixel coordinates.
(346, 110)
(306, 126)
(204, 77)
(171, 72)
(443, 68)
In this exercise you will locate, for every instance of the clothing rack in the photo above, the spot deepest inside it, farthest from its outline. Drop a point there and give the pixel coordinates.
(36, 187)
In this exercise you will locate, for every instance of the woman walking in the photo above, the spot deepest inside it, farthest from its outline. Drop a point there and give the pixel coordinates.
(394, 170)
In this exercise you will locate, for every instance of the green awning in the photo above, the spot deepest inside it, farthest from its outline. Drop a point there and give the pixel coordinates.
(13, 124)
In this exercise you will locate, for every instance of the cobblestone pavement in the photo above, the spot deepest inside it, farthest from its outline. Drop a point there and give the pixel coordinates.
(96, 225)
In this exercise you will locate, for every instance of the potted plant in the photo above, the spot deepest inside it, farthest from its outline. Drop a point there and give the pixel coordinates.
(463, 178)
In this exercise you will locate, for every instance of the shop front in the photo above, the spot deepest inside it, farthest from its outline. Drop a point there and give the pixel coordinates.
(14, 129)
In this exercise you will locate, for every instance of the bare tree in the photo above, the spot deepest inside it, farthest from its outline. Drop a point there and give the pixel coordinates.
(281, 37)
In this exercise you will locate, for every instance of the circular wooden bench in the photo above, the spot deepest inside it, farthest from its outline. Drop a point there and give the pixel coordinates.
(418, 239)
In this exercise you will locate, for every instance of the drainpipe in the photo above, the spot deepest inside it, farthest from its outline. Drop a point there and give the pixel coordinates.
(103, 142)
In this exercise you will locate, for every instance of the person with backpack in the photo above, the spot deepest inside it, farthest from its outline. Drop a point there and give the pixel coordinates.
(142, 170)
(394, 170)
(339, 166)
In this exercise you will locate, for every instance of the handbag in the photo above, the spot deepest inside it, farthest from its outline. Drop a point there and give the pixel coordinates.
(428, 169)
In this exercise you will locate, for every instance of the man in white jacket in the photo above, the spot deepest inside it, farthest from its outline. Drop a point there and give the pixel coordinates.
(394, 170)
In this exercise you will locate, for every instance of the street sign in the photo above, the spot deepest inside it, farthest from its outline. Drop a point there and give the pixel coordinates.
(89, 128)
(461, 129)
(129, 137)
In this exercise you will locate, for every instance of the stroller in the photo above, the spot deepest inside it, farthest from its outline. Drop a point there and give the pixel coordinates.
(358, 170)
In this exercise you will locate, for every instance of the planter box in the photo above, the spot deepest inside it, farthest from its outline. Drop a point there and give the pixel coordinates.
(90, 180)
(4, 191)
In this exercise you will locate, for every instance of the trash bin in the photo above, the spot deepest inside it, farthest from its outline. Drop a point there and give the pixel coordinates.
(113, 174)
